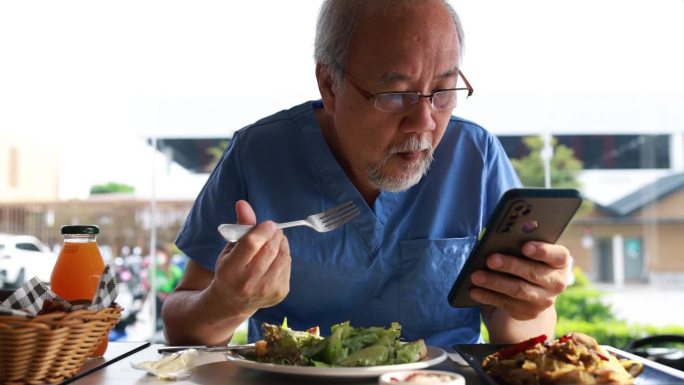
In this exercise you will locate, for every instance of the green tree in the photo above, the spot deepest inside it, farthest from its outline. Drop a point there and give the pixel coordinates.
(111, 187)
(564, 166)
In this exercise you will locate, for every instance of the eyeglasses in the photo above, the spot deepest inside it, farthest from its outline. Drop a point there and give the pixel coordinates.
(396, 102)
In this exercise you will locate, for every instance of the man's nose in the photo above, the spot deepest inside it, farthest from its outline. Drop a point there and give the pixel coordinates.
(419, 117)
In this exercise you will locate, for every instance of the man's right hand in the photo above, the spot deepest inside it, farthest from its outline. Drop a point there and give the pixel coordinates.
(208, 306)
(254, 272)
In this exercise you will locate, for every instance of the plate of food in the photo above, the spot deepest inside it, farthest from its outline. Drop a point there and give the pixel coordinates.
(348, 352)
(574, 358)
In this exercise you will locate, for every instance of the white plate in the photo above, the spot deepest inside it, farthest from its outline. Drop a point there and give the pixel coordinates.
(434, 356)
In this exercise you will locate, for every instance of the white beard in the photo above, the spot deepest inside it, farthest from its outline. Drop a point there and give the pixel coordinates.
(411, 173)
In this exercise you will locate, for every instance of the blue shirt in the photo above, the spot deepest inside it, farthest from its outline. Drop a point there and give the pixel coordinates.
(395, 261)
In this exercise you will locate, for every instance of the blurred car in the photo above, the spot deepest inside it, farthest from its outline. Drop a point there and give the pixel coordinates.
(23, 257)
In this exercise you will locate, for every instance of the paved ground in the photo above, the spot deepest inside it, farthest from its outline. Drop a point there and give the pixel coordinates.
(659, 306)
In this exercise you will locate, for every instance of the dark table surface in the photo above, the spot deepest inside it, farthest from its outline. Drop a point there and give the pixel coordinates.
(217, 370)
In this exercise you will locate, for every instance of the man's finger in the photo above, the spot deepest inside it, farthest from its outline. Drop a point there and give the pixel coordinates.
(532, 271)
(556, 256)
(264, 258)
(245, 213)
(520, 310)
(281, 265)
(508, 286)
(249, 246)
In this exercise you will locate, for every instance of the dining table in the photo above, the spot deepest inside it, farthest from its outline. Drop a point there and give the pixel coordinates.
(213, 368)
(115, 368)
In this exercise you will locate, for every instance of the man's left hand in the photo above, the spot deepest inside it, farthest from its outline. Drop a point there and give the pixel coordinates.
(523, 287)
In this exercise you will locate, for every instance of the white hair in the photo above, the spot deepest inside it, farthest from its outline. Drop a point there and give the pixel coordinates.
(336, 22)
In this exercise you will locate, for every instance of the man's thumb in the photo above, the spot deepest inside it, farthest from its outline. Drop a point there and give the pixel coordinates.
(245, 213)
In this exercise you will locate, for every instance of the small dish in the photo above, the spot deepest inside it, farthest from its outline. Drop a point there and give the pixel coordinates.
(421, 377)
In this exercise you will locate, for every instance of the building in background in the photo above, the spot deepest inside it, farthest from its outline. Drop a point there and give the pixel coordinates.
(636, 239)
(29, 169)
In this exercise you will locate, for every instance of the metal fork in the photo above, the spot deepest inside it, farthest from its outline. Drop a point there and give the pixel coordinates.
(327, 220)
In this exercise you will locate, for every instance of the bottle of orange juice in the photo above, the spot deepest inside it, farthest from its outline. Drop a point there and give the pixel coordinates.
(78, 269)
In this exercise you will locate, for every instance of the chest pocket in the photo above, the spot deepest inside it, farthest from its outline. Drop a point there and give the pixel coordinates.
(428, 270)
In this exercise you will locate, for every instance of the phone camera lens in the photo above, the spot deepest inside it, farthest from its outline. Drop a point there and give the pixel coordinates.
(530, 226)
(527, 210)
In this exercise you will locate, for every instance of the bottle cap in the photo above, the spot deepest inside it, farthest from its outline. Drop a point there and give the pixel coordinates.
(81, 229)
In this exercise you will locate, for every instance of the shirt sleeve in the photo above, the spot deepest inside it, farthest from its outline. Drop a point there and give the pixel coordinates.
(199, 238)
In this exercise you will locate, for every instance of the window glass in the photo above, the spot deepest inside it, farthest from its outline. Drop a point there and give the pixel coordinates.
(27, 247)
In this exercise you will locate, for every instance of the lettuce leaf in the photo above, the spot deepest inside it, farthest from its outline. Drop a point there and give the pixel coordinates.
(346, 346)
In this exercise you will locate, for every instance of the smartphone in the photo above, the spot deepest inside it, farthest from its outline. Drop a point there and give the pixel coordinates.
(521, 215)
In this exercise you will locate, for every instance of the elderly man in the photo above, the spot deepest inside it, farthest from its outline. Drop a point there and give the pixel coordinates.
(383, 136)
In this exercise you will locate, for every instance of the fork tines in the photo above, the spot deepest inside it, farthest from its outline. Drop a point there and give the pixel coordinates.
(339, 215)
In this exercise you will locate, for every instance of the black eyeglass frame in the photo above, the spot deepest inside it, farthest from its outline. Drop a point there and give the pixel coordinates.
(370, 96)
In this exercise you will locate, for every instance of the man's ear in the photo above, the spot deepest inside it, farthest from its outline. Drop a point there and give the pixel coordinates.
(326, 87)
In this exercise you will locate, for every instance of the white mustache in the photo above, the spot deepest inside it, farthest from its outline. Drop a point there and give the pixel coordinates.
(413, 173)
(411, 145)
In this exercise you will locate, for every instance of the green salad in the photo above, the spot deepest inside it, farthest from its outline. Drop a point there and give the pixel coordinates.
(347, 346)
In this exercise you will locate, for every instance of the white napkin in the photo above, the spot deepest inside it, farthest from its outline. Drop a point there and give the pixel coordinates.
(172, 367)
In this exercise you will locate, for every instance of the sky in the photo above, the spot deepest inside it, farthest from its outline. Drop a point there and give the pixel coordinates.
(94, 79)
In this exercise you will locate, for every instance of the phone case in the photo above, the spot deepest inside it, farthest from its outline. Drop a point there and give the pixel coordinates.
(521, 215)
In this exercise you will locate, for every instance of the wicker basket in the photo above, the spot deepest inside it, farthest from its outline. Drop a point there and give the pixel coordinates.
(51, 347)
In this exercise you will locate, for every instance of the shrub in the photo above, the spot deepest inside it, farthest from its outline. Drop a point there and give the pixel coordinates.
(581, 309)
(581, 302)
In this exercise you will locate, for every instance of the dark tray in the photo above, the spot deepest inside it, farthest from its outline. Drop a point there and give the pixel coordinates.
(653, 374)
